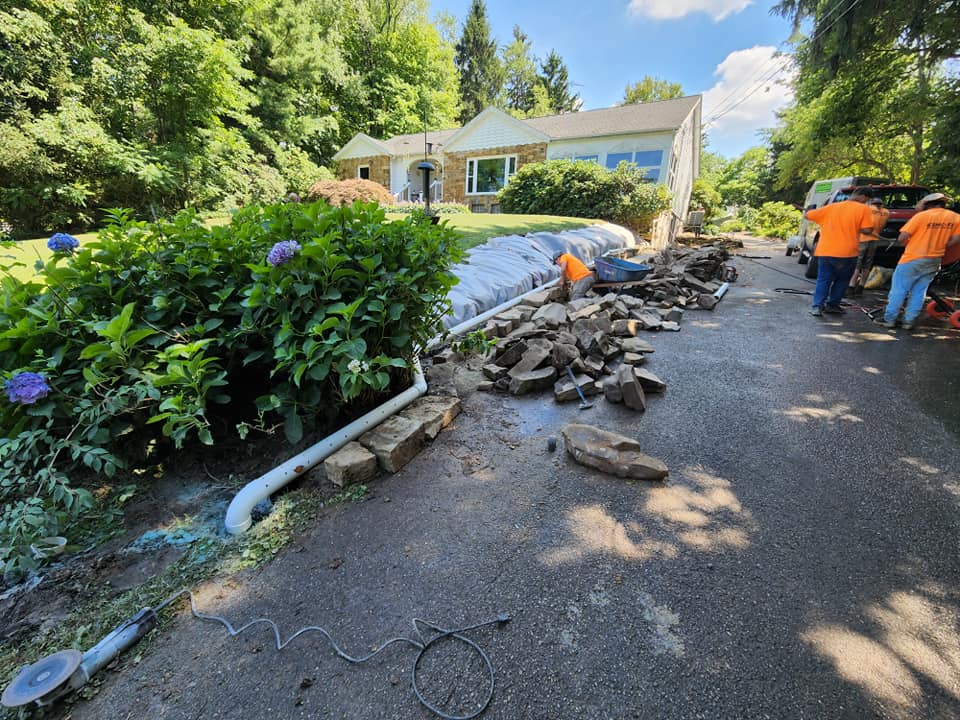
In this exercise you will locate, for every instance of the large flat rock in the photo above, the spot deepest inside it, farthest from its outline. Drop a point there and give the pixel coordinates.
(434, 412)
(611, 453)
(352, 463)
(395, 441)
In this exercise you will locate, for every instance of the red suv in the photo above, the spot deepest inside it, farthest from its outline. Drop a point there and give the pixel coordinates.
(900, 200)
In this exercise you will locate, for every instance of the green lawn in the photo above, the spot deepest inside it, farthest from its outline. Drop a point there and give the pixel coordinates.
(29, 251)
(477, 228)
(474, 228)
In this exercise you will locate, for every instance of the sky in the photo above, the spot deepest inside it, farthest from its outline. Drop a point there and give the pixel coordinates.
(722, 49)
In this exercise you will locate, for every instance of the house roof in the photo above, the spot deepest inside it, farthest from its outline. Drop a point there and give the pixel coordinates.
(645, 117)
(620, 120)
(413, 143)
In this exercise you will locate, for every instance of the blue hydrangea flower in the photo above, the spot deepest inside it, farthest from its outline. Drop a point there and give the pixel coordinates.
(26, 388)
(63, 243)
(283, 252)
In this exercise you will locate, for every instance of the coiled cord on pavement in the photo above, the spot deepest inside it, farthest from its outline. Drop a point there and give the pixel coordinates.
(419, 642)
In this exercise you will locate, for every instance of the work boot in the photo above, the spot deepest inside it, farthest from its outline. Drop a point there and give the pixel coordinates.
(816, 311)
(834, 310)
(890, 324)
(907, 326)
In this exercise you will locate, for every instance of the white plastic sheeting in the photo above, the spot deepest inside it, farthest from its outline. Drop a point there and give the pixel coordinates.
(505, 267)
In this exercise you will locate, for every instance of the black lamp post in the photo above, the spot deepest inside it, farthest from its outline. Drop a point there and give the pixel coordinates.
(427, 168)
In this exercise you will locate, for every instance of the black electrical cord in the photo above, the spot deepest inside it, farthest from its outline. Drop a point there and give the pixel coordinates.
(422, 645)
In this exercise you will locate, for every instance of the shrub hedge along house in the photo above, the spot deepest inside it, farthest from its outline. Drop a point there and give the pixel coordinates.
(473, 162)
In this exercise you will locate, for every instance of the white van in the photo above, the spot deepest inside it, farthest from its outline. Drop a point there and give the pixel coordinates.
(817, 195)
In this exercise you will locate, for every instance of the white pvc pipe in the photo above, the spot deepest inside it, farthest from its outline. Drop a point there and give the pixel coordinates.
(483, 317)
(238, 517)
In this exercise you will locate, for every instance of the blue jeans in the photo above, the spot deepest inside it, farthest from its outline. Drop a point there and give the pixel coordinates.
(833, 276)
(910, 282)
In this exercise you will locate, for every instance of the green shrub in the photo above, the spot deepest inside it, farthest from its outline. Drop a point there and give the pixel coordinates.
(585, 189)
(170, 333)
(772, 219)
(744, 220)
(298, 170)
(777, 220)
(440, 208)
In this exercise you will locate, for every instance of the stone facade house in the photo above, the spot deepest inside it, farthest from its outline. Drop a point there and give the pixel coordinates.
(473, 162)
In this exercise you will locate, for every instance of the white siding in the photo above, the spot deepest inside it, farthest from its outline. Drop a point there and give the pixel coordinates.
(601, 146)
(361, 148)
(399, 169)
(493, 132)
(679, 178)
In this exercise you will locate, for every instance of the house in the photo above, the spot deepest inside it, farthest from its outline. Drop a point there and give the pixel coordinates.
(473, 162)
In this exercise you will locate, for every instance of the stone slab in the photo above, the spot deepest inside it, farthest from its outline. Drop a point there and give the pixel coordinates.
(435, 412)
(395, 442)
(611, 453)
(352, 463)
(533, 381)
(649, 381)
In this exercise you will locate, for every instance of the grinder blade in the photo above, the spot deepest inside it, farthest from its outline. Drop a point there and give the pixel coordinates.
(41, 678)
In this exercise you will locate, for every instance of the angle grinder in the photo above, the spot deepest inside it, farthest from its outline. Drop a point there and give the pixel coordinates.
(51, 677)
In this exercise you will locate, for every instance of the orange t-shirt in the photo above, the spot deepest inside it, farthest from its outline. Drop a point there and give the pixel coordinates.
(576, 270)
(930, 230)
(840, 225)
(880, 217)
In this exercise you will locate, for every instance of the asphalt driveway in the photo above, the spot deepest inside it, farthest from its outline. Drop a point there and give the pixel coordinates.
(800, 562)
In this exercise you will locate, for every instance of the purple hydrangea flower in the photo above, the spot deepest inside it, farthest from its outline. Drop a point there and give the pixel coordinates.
(26, 388)
(63, 243)
(283, 252)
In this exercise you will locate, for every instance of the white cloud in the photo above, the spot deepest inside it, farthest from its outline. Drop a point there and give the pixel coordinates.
(748, 92)
(673, 9)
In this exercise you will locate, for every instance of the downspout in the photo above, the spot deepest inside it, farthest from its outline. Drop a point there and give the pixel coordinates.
(238, 518)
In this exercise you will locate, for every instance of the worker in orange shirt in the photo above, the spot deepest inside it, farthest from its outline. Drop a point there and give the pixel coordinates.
(927, 236)
(868, 246)
(842, 227)
(575, 277)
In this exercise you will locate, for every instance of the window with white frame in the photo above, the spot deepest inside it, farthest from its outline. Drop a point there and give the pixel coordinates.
(485, 176)
(648, 161)
(363, 172)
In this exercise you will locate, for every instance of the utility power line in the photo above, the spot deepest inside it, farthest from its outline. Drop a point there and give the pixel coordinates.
(721, 111)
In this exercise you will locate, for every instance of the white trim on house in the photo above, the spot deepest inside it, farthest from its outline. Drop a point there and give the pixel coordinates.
(507, 174)
(493, 128)
(361, 145)
(360, 169)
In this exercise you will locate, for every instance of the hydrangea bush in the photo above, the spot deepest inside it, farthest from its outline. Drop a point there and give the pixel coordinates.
(171, 333)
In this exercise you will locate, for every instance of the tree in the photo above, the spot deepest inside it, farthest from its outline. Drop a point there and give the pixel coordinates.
(556, 79)
(651, 89)
(748, 179)
(481, 75)
(520, 71)
(864, 51)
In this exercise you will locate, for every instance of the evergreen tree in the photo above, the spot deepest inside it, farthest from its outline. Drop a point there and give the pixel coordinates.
(520, 70)
(481, 75)
(556, 79)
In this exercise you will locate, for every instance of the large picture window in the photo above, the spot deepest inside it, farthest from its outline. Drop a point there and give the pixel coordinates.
(647, 160)
(486, 176)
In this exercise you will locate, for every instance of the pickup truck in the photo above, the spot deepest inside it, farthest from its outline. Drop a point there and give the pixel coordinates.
(900, 200)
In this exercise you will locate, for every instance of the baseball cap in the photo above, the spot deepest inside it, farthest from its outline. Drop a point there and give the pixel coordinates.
(933, 197)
